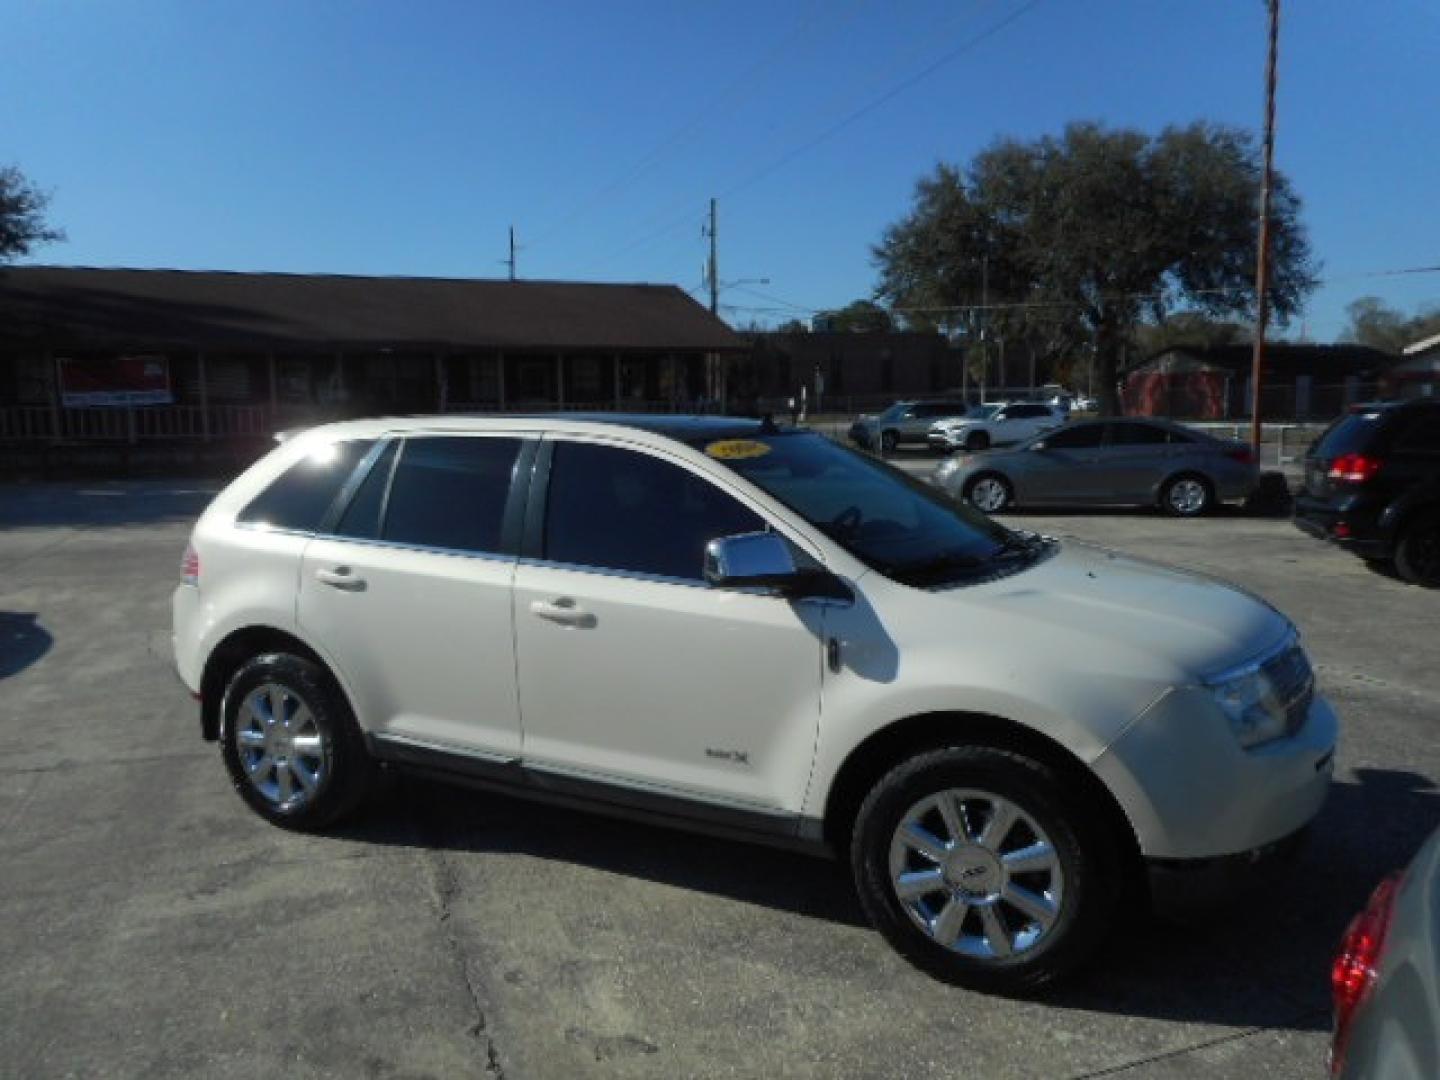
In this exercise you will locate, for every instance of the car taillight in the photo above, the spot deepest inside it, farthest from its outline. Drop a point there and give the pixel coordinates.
(190, 566)
(1243, 454)
(1355, 468)
(1357, 963)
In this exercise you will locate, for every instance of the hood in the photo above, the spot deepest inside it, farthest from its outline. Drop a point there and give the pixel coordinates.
(1147, 613)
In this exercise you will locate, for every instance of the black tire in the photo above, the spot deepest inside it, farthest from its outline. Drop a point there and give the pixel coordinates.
(345, 771)
(1417, 553)
(1006, 492)
(977, 441)
(1087, 855)
(1171, 492)
(889, 440)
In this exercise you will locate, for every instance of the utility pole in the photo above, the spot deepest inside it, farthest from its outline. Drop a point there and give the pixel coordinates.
(714, 270)
(1262, 259)
(511, 261)
(984, 323)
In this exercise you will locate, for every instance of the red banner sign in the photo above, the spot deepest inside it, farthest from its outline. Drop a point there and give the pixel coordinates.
(113, 381)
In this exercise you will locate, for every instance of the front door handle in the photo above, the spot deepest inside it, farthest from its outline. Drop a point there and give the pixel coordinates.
(341, 578)
(563, 611)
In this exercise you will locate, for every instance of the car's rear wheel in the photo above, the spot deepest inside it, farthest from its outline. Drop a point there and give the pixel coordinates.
(888, 441)
(982, 867)
(290, 743)
(977, 441)
(989, 492)
(1417, 553)
(1187, 495)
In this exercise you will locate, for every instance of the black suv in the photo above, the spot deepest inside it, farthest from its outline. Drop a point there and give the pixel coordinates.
(1372, 484)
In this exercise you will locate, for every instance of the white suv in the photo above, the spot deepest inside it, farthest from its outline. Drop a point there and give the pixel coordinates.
(741, 629)
(996, 424)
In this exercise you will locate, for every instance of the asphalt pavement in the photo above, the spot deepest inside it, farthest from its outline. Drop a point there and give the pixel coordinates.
(150, 925)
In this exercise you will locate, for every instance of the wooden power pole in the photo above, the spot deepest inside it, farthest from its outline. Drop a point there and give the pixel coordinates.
(1262, 258)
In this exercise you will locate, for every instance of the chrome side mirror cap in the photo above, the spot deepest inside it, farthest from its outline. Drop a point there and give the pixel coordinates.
(764, 560)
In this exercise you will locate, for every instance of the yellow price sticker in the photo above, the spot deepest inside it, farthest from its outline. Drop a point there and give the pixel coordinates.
(736, 449)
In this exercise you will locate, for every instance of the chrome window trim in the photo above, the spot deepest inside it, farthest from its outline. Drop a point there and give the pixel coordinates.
(423, 549)
(629, 575)
(271, 530)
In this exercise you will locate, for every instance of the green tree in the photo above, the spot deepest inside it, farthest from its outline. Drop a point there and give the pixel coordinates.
(1192, 328)
(22, 215)
(1375, 324)
(857, 317)
(1077, 238)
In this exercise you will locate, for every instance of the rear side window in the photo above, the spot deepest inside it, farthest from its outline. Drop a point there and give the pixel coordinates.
(1353, 433)
(1133, 434)
(361, 518)
(298, 499)
(617, 509)
(1075, 438)
(450, 492)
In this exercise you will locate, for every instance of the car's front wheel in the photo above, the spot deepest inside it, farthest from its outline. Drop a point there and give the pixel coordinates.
(981, 867)
(1417, 554)
(290, 742)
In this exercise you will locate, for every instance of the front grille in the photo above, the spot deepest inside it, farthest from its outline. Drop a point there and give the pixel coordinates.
(1290, 674)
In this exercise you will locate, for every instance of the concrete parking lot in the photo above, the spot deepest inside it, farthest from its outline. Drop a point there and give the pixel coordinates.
(150, 925)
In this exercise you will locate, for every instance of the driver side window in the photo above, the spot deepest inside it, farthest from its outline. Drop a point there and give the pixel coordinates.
(613, 508)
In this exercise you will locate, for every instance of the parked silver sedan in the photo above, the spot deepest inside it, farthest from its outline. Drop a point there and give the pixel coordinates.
(1130, 462)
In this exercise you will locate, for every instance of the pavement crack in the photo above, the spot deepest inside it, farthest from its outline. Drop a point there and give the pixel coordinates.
(446, 888)
(1167, 1055)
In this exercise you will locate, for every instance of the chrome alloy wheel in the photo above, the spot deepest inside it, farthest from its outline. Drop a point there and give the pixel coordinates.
(280, 746)
(1188, 496)
(976, 874)
(988, 494)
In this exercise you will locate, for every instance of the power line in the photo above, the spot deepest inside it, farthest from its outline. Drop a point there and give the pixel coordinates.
(889, 95)
(672, 225)
(745, 81)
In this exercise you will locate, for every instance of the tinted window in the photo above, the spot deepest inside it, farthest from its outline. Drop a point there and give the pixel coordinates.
(1421, 434)
(300, 496)
(895, 523)
(1085, 437)
(1138, 435)
(1351, 434)
(361, 518)
(1028, 412)
(621, 510)
(451, 492)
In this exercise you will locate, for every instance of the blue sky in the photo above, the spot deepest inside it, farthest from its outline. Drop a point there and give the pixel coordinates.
(355, 136)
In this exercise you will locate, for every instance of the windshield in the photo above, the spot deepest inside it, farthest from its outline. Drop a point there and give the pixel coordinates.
(891, 521)
(894, 412)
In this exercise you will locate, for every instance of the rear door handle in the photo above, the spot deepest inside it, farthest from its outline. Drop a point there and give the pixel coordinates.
(341, 578)
(563, 611)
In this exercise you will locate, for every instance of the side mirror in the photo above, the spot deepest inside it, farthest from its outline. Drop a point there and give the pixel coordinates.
(764, 560)
(1038, 445)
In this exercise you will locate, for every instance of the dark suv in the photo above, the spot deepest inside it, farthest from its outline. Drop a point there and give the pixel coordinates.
(1372, 484)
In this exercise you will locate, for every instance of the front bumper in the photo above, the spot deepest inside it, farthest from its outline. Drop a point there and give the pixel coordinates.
(1192, 793)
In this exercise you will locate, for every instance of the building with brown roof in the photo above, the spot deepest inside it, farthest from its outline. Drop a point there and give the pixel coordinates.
(170, 354)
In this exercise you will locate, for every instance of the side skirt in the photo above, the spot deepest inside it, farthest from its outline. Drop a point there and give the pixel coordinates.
(508, 776)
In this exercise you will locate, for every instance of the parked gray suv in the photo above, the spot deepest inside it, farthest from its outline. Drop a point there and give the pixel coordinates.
(906, 423)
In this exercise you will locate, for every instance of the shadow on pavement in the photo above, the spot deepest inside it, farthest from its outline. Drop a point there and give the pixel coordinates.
(102, 503)
(22, 641)
(1262, 961)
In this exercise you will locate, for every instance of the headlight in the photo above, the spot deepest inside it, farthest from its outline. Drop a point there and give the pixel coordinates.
(1267, 700)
